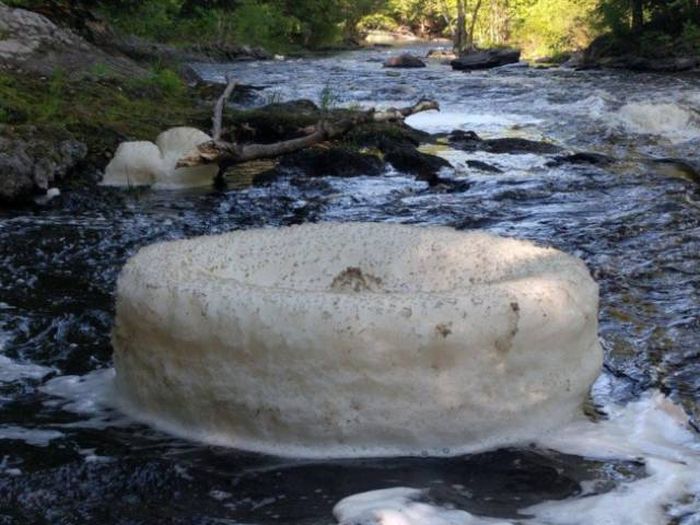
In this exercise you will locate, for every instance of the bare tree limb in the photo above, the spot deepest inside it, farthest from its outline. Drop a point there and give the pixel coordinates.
(219, 109)
(218, 151)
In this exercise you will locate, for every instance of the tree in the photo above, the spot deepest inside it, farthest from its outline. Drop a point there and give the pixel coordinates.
(637, 15)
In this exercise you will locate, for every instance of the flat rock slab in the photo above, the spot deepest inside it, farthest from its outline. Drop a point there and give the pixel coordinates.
(470, 141)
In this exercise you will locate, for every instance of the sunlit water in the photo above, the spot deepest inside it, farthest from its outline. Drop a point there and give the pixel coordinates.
(66, 458)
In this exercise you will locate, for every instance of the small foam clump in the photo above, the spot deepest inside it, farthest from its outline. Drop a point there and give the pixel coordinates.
(355, 339)
(143, 163)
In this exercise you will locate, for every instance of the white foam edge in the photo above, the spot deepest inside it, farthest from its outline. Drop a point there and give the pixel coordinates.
(651, 429)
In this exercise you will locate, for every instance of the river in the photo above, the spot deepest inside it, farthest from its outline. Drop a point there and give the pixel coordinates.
(66, 457)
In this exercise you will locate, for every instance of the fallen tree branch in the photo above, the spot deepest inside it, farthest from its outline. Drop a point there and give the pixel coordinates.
(219, 109)
(222, 152)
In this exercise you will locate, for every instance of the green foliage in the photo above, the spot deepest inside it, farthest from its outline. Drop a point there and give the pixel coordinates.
(378, 21)
(550, 27)
(260, 24)
(328, 99)
(690, 38)
(655, 44)
(153, 19)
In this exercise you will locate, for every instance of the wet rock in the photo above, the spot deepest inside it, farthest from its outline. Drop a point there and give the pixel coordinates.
(272, 123)
(30, 166)
(404, 61)
(610, 52)
(441, 54)
(678, 168)
(595, 159)
(408, 159)
(470, 141)
(486, 59)
(383, 136)
(32, 42)
(324, 162)
(483, 166)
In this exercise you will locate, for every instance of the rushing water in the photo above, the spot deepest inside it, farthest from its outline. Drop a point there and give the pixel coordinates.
(66, 458)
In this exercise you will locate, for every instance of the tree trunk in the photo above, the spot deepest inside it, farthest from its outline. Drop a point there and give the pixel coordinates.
(460, 33)
(226, 153)
(637, 15)
(475, 15)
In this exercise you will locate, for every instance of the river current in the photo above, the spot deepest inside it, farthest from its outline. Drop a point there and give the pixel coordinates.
(66, 457)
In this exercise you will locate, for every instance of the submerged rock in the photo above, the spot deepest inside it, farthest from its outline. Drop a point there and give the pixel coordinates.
(595, 159)
(404, 61)
(355, 339)
(483, 166)
(486, 59)
(677, 168)
(470, 141)
(408, 159)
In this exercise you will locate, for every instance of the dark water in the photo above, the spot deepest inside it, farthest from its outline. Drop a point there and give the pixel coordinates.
(635, 224)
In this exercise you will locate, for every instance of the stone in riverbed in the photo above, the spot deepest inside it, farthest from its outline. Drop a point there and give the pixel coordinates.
(483, 166)
(333, 162)
(404, 61)
(408, 159)
(595, 159)
(470, 141)
(486, 59)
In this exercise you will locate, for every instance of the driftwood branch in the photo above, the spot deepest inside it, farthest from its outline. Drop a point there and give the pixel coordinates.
(219, 109)
(222, 152)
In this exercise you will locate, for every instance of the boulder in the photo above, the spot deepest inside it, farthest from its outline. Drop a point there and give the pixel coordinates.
(404, 61)
(333, 162)
(486, 59)
(32, 42)
(30, 165)
(408, 159)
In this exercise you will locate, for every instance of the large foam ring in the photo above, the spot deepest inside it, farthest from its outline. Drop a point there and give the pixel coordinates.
(355, 339)
(144, 163)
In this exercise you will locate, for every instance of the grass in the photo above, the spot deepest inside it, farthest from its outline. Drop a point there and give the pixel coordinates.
(99, 111)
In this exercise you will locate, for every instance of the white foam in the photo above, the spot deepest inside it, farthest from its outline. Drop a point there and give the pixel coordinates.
(673, 121)
(32, 436)
(447, 120)
(398, 506)
(333, 340)
(652, 429)
(87, 394)
(11, 370)
(91, 396)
